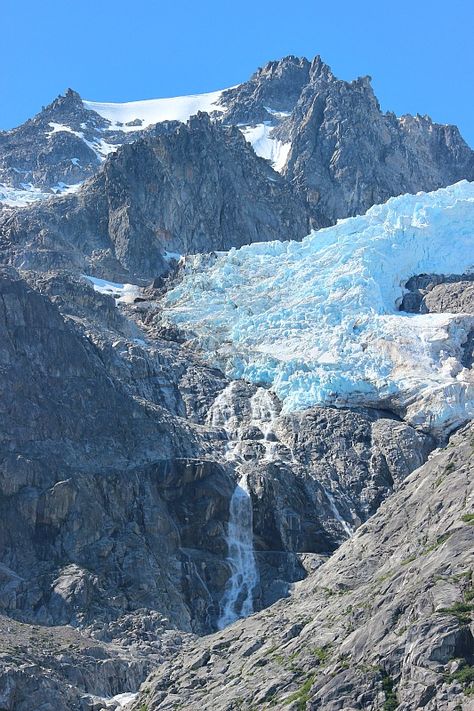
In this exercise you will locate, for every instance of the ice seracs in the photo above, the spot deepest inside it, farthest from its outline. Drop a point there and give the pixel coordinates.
(318, 320)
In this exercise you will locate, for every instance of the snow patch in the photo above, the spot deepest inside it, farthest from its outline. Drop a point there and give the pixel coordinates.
(317, 320)
(119, 701)
(100, 147)
(123, 699)
(122, 293)
(27, 194)
(265, 146)
(58, 127)
(277, 114)
(19, 197)
(172, 256)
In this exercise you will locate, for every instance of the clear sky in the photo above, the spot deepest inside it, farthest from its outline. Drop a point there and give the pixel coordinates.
(418, 52)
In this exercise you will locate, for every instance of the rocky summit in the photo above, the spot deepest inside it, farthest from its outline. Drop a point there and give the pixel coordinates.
(237, 393)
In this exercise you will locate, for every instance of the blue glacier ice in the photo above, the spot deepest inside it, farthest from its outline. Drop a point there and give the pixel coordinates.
(317, 320)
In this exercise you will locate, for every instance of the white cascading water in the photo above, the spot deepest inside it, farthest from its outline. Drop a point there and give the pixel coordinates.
(238, 595)
(264, 411)
(237, 600)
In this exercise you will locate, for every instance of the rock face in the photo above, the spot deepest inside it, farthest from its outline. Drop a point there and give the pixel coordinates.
(273, 89)
(385, 623)
(54, 147)
(347, 155)
(98, 487)
(439, 293)
(309, 494)
(195, 187)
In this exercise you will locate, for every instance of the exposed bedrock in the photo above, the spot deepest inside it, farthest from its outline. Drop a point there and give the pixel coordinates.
(119, 457)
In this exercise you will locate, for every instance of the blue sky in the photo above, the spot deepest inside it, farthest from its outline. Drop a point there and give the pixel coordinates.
(418, 53)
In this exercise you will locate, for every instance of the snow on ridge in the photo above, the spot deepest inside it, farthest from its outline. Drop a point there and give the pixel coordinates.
(100, 147)
(151, 111)
(317, 320)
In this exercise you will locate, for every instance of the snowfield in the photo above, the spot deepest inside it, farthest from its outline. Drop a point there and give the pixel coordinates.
(317, 320)
(151, 111)
(181, 108)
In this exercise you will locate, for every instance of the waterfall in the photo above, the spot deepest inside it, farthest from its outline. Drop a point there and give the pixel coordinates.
(238, 595)
(336, 513)
(237, 600)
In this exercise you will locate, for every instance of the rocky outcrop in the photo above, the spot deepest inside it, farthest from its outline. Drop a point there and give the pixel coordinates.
(59, 145)
(273, 89)
(196, 188)
(104, 498)
(116, 475)
(61, 669)
(347, 155)
(439, 293)
(385, 623)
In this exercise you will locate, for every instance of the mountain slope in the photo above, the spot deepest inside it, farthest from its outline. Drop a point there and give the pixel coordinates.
(328, 136)
(347, 155)
(247, 427)
(385, 623)
(187, 188)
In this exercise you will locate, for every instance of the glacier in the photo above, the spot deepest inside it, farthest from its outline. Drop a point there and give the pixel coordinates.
(317, 321)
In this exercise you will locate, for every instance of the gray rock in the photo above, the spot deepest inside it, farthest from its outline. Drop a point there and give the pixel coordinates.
(439, 293)
(35, 153)
(347, 155)
(197, 188)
